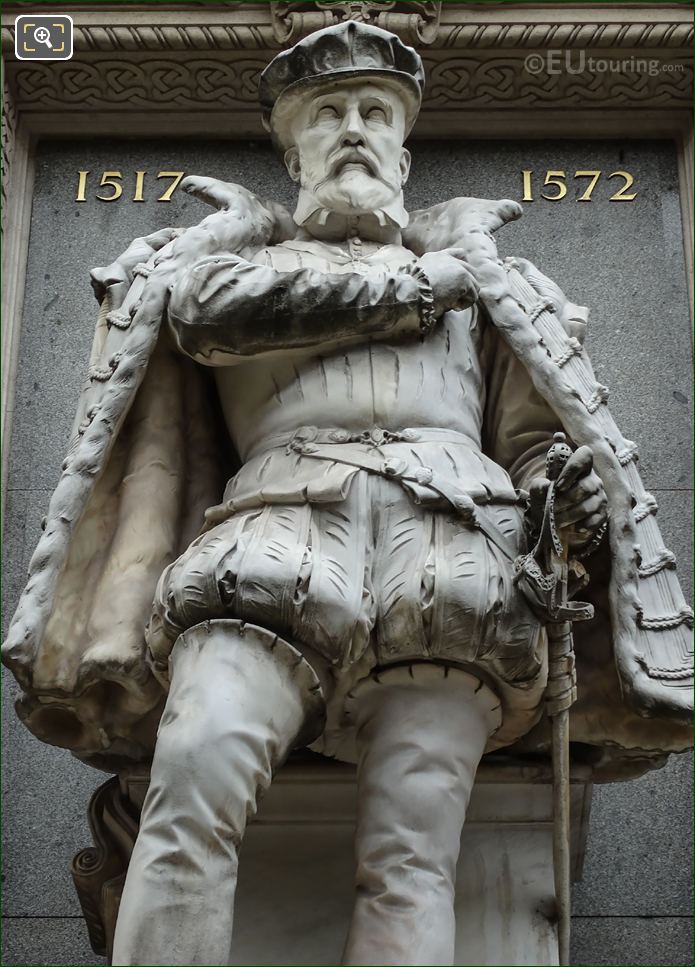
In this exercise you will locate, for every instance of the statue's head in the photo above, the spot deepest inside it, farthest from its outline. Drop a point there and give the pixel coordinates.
(339, 106)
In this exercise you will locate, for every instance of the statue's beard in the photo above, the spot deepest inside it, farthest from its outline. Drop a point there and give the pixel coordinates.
(351, 193)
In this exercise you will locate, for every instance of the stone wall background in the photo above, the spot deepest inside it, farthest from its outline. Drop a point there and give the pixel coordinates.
(624, 260)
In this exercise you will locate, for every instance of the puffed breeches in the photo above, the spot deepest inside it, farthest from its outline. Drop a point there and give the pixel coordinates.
(374, 574)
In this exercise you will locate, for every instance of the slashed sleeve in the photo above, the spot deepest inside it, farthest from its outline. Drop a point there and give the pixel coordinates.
(224, 308)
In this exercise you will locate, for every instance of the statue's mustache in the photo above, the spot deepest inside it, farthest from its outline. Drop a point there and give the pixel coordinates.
(352, 155)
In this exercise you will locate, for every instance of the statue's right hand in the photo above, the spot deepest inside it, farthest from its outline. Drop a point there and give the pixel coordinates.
(453, 281)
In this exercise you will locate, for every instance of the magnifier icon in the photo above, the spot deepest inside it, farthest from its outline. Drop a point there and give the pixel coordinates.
(42, 35)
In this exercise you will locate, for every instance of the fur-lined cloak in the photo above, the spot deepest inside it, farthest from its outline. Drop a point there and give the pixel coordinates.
(144, 464)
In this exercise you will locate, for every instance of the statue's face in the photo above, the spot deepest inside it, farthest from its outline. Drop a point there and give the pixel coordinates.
(348, 151)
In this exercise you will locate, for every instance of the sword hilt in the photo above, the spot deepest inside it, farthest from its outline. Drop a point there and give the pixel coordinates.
(557, 456)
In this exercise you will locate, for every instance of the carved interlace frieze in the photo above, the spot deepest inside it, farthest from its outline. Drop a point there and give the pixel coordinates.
(478, 79)
(9, 120)
(121, 84)
(489, 81)
(476, 58)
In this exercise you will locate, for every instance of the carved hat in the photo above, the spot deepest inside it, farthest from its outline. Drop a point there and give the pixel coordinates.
(349, 49)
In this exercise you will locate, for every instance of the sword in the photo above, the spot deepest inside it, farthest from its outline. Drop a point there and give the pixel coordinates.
(560, 694)
(542, 575)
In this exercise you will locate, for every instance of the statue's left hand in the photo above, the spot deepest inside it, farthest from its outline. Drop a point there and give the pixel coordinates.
(453, 283)
(581, 507)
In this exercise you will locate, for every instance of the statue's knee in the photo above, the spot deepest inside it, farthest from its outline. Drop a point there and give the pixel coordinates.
(235, 685)
(196, 587)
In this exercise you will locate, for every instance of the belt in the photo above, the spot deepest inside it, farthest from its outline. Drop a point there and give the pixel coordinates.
(375, 436)
(335, 445)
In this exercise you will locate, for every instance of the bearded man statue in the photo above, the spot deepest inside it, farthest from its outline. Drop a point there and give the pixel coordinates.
(352, 587)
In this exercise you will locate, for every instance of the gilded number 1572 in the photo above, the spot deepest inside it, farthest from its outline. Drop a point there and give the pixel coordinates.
(112, 188)
(556, 184)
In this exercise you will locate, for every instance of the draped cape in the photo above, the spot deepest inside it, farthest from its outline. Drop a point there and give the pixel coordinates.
(147, 458)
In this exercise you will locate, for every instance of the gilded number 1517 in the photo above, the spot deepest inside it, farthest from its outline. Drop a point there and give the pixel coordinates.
(111, 181)
(556, 184)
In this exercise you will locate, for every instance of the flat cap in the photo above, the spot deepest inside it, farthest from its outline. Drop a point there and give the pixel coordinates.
(349, 49)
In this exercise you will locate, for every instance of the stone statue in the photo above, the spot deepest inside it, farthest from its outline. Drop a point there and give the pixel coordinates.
(362, 379)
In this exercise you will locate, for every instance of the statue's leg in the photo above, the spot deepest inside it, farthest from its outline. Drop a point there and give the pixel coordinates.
(240, 699)
(421, 732)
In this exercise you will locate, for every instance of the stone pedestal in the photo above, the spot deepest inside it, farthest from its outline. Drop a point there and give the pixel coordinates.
(295, 887)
